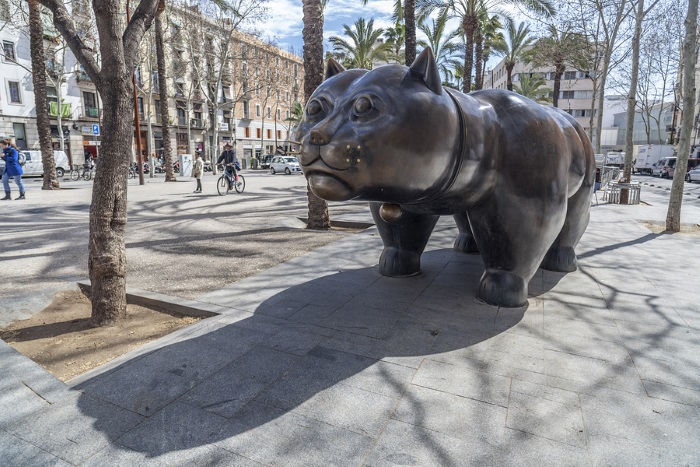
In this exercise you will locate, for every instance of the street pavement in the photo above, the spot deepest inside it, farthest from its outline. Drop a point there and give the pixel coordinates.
(319, 360)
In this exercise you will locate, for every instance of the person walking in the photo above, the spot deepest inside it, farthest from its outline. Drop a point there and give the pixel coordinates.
(12, 169)
(197, 171)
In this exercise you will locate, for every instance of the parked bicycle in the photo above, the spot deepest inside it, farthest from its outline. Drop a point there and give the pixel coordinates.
(227, 183)
(78, 172)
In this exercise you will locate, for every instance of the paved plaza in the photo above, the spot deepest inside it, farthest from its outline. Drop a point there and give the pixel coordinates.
(316, 359)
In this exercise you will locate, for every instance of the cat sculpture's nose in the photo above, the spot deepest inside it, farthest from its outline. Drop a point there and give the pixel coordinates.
(318, 137)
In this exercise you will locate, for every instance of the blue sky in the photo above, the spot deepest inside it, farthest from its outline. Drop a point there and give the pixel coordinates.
(285, 22)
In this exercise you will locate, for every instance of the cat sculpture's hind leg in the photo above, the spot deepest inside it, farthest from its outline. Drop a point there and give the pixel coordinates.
(561, 256)
(405, 238)
(465, 239)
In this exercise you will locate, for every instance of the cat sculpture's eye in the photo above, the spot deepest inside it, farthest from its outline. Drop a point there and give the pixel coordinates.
(363, 105)
(314, 107)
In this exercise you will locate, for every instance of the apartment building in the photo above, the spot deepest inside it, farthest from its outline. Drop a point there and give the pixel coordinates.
(222, 85)
(576, 91)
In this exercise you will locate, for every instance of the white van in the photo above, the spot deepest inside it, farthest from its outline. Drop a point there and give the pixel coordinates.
(34, 167)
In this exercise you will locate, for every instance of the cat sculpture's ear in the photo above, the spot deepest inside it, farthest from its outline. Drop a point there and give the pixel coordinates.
(333, 68)
(425, 68)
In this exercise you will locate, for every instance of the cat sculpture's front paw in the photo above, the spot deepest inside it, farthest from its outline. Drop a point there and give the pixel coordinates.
(501, 288)
(562, 259)
(399, 263)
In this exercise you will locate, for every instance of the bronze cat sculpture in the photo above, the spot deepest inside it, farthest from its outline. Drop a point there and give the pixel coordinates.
(517, 176)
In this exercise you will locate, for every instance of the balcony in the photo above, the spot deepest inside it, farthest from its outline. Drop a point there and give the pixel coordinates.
(91, 112)
(196, 123)
(182, 121)
(83, 77)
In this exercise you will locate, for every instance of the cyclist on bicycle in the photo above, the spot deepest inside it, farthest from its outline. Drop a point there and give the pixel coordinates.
(228, 157)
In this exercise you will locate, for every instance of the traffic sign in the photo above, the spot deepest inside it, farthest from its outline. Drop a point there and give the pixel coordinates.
(95, 129)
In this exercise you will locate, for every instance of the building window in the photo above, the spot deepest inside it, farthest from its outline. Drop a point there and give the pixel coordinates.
(140, 106)
(20, 135)
(287, 113)
(246, 132)
(156, 104)
(269, 134)
(279, 134)
(258, 133)
(569, 75)
(90, 104)
(181, 116)
(14, 93)
(279, 114)
(286, 96)
(567, 95)
(269, 112)
(9, 50)
(246, 109)
(257, 110)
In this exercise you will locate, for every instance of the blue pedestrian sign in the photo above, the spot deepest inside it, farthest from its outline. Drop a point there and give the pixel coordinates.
(95, 129)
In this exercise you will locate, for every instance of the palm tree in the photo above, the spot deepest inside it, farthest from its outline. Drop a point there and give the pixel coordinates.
(513, 48)
(396, 36)
(558, 49)
(312, 33)
(468, 12)
(364, 49)
(36, 47)
(491, 34)
(163, 91)
(440, 41)
(296, 113)
(531, 85)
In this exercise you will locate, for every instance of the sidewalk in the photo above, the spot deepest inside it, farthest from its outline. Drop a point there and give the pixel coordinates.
(333, 364)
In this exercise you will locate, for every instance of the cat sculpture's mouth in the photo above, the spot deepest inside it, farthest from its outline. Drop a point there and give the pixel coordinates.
(323, 177)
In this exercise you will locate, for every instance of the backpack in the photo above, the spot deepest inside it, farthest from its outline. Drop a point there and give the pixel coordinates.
(21, 158)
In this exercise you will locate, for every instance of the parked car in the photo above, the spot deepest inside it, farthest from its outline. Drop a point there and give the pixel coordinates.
(286, 164)
(692, 164)
(694, 175)
(664, 167)
(265, 161)
(34, 167)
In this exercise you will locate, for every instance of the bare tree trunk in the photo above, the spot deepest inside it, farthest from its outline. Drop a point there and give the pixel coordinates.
(163, 91)
(118, 46)
(313, 76)
(632, 100)
(409, 14)
(673, 216)
(107, 252)
(43, 123)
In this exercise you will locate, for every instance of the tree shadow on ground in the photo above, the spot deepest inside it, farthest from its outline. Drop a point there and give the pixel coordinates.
(327, 361)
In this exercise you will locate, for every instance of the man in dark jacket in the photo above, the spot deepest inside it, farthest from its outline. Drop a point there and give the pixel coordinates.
(230, 161)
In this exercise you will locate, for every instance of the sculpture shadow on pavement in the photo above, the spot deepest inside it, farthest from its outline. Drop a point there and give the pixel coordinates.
(327, 361)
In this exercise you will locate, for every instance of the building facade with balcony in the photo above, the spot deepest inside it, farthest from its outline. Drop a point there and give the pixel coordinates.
(248, 103)
(575, 94)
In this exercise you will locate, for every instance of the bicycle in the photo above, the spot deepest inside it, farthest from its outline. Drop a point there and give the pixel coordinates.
(226, 183)
(80, 172)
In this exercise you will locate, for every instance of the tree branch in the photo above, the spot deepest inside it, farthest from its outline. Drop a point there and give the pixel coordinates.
(140, 22)
(64, 23)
